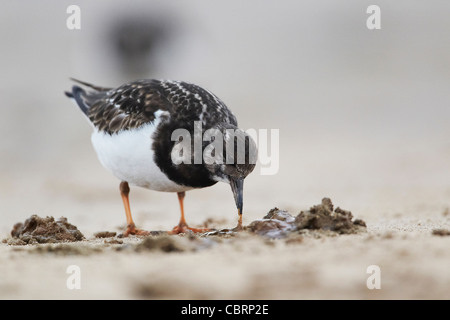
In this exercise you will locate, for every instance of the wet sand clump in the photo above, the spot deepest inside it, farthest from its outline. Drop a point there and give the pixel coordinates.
(323, 217)
(320, 218)
(45, 230)
(105, 234)
(441, 232)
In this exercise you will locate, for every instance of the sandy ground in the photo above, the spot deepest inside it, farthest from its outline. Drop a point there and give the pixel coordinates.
(414, 265)
(413, 262)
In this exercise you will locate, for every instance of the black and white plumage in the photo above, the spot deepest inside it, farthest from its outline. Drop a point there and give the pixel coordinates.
(133, 126)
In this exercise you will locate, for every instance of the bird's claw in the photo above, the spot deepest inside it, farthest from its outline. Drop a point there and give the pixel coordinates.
(183, 228)
(132, 230)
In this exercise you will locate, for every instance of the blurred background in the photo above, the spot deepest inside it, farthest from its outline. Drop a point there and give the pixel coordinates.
(363, 114)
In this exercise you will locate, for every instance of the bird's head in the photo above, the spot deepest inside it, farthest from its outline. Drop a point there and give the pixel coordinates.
(234, 163)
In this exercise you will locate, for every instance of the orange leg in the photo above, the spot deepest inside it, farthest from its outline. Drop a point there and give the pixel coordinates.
(131, 228)
(182, 226)
(239, 226)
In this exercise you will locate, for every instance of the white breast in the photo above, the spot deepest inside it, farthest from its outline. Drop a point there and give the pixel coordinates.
(129, 156)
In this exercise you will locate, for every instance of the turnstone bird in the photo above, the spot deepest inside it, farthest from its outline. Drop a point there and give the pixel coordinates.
(133, 127)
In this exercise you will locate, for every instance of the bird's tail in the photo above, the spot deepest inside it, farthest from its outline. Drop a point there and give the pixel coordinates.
(77, 94)
(81, 96)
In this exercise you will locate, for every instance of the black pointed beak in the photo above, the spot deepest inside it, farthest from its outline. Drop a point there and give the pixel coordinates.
(237, 186)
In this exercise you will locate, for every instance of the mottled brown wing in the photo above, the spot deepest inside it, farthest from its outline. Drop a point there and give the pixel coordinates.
(126, 107)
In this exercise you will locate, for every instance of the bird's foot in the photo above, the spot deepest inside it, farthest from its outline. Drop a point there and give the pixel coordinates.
(223, 232)
(131, 229)
(183, 228)
(238, 228)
